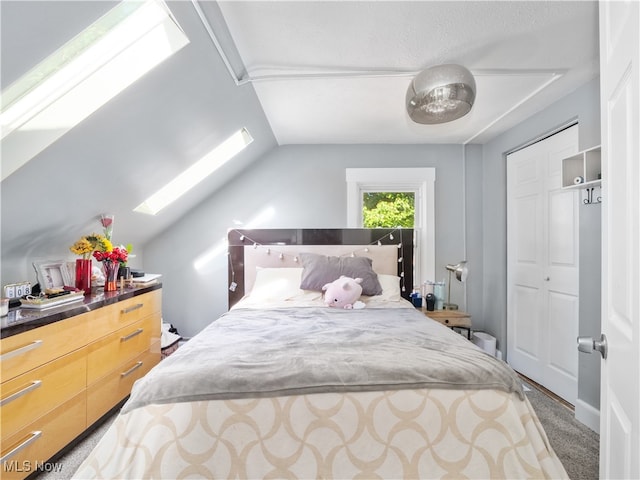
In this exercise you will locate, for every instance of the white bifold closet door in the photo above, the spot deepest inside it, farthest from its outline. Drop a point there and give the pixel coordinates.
(542, 265)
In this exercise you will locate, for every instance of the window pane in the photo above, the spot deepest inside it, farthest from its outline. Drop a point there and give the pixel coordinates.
(388, 209)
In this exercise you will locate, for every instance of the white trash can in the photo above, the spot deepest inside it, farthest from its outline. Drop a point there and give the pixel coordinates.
(485, 341)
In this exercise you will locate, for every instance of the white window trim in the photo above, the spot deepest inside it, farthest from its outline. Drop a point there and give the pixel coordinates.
(419, 180)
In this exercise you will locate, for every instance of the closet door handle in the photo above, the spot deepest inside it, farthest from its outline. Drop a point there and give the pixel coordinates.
(131, 370)
(21, 350)
(34, 436)
(14, 396)
(132, 308)
(131, 335)
(546, 279)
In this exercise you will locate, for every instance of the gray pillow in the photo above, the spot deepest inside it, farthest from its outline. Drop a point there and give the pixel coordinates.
(319, 270)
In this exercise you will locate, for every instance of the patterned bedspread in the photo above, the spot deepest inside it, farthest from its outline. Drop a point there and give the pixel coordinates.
(392, 434)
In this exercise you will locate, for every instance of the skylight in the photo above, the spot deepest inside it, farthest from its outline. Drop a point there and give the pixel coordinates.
(196, 173)
(83, 75)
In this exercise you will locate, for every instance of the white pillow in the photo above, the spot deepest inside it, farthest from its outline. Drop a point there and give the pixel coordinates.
(390, 288)
(276, 284)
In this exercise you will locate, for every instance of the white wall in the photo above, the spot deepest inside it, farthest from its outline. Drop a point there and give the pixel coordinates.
(305, 186)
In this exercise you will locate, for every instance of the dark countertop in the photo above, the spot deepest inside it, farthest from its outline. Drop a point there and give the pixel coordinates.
(21, 320)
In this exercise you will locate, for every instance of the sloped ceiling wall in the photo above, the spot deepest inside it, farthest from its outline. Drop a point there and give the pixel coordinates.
(126, 150)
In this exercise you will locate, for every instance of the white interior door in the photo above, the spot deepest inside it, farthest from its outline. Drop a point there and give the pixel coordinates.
(542, 265)
(620, 111)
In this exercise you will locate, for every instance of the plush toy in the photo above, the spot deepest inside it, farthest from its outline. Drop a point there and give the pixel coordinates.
(343, 293)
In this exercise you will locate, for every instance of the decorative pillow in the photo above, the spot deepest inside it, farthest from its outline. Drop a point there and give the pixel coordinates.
(318, 270)
(276, 283)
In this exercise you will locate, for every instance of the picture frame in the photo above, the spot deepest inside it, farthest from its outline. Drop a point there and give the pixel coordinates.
(52, 274)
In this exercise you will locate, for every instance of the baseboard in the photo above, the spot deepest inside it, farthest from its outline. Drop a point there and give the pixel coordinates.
(588, 415)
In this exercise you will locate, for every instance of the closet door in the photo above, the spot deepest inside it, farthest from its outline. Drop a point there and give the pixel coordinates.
(542, 265)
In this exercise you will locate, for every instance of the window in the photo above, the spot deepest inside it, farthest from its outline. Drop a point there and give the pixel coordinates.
(83, 75)
(197, 172)
(365, 185)
(388, 209)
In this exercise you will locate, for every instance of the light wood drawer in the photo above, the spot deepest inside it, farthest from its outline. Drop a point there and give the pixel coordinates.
(454, 321)
(31, 395)
(25, 351)
(103, 395)
(56, 429)
(119, 315)
(450, 318)
(112, 351)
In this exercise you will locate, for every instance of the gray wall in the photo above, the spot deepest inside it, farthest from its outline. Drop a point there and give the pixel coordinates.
(583, 105)
(306, 188)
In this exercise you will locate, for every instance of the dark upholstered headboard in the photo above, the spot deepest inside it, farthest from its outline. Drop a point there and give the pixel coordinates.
(277, 241)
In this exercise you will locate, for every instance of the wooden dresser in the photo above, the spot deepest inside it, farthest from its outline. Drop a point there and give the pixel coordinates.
(63, 370)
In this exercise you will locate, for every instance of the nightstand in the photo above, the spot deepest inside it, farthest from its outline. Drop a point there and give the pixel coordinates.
(451, 318)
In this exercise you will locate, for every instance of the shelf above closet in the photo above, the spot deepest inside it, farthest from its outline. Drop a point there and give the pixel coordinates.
(582, 170)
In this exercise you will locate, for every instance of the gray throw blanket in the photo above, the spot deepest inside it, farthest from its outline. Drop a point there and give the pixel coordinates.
(264, 353)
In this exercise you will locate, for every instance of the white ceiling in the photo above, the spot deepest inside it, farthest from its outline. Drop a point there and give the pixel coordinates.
(337, 71)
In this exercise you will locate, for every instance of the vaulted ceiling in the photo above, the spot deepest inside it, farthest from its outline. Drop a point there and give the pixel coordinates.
(337, 72)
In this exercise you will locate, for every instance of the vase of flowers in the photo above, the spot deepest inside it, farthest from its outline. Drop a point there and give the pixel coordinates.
(110, 275)
(111, 262)
(85, 247)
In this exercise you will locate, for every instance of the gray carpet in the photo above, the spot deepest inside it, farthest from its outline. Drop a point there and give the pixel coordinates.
(576, 445)
(66, 464)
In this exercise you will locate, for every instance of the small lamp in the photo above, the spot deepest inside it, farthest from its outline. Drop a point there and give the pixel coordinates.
(461, 272)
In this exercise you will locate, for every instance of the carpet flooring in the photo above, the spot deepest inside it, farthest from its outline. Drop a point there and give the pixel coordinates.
(576, 445)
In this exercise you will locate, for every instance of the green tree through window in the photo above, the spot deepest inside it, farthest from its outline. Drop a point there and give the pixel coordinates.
(388, 209)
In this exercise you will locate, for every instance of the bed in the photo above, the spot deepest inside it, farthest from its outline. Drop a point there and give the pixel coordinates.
(282, 386)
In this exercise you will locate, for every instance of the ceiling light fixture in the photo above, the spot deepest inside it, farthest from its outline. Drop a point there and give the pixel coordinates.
(441, 94)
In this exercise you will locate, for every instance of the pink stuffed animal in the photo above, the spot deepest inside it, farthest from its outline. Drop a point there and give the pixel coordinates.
(343, 293)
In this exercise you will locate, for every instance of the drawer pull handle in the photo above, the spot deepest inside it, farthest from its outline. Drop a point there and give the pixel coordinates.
(131, 370)
(21, 350)
(131, 335)
(35, 384)
(132, 308)
(34, 436)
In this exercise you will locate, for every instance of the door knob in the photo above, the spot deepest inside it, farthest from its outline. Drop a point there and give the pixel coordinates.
(546, 279)
(588, 345)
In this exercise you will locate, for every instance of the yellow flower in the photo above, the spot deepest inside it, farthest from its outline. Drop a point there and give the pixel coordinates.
(82, 247)
(91, 243)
